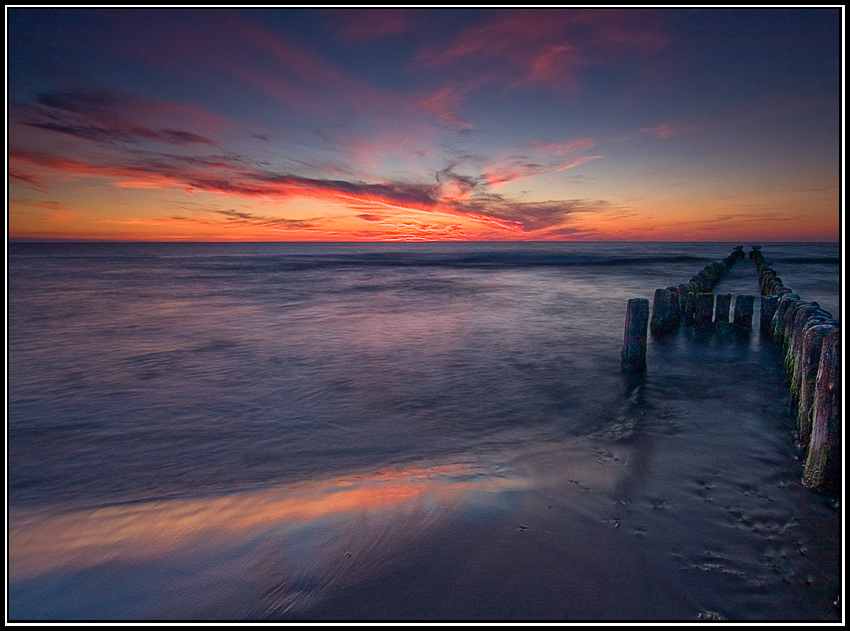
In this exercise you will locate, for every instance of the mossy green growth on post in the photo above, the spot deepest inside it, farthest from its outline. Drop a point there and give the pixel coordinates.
(809, 367)
(823, 460)
(665, 316)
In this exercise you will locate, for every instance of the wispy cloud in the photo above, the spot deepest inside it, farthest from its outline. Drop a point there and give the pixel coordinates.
(142, 143)
(561, 148)
(550, 47)
(450, 194)
(58, 211)
(234, 217)
(543, 157)
(106, 118)
(519, 169)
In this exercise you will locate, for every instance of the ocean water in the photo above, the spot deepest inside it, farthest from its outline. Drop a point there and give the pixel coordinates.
(421, 431)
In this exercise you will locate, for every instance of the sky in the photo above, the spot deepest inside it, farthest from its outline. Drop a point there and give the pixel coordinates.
(412, 124)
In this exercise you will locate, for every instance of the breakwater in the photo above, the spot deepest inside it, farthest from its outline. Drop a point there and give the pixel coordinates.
(809, 339)
(692, 303)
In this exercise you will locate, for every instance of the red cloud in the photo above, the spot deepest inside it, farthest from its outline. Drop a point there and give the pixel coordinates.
(517, 170)
(449, 195)
(444, 105)
(548, 46)
(561, 148)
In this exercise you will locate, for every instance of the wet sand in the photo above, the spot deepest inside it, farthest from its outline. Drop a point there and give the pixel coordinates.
(682, 501)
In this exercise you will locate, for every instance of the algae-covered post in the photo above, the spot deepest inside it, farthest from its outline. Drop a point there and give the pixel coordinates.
(809, 366)
(809, 339)
(777, 326)
(808, 314)
(823, 460)
(767, 308)
(665, 316)
(633, 355)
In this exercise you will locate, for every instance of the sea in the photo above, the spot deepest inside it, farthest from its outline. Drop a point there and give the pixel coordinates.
(402, 432)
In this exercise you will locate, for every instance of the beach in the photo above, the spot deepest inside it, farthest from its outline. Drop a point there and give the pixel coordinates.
(406, 432)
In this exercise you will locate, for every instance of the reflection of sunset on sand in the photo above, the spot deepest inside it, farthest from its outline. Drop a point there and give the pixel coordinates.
(400, 432)
(147, 531)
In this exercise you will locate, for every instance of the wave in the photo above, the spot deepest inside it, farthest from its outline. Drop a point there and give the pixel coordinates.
(499, 260)
(802, 260)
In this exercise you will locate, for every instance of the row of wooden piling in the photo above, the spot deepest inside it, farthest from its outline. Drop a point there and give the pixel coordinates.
(691, 303)
(810, 340)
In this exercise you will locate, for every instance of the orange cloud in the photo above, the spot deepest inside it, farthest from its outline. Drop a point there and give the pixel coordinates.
(518, 170)
(451, 196)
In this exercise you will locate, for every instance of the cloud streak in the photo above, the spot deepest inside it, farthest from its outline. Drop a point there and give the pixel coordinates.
(548, 48)
(105, 118)
(450, 194)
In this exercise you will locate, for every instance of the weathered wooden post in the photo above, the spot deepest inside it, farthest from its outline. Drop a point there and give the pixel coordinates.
(823, 460)
(737, 253)
(795, 356)
(703, 309)
(766, 310)
(722, 307)
(777, 326)
(675, 306)
(633, 355)
(743, 317)
(806, 314)
(661, 313)
(686, 303)
(809, 365)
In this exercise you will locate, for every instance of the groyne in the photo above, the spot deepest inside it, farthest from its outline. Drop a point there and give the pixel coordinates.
(808, 337)
(692, 303)
(809, 340)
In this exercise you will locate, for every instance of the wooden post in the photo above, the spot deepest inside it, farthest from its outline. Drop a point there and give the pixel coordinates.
(743, 318)
(721, 309)
(806, 319)
(805, 314)
(797, 308)
(766, 311)
(662, 313)
(703, 309)
(823, 460)
(778, 323)
(675, 306)
(686, 303)
(809, 365)
(633, 355)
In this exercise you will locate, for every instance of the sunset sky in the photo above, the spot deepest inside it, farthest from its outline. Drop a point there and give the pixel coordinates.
(425, 124)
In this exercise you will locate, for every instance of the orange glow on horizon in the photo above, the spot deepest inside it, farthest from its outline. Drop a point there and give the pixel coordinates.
(252, 211)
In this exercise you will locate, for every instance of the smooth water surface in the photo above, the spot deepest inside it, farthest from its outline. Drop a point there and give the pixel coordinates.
(401, 431)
